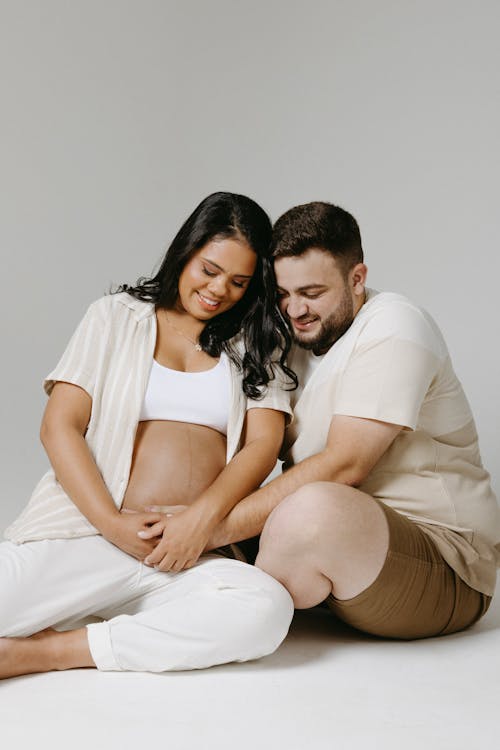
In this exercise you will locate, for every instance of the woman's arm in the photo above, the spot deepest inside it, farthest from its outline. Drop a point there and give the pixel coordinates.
(62, 434)
(186, 534)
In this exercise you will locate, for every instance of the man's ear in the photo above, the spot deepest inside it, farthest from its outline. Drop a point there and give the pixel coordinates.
(357, 278)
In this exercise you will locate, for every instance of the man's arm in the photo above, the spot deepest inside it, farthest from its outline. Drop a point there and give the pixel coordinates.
(353, 448)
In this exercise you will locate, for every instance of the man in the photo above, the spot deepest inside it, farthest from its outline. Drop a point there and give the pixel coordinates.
(384, 508)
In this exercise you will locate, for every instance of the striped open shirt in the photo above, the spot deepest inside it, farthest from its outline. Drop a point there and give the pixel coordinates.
(110, 356)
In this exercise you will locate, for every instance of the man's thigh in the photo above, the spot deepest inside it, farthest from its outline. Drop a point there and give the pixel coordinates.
(416, 594)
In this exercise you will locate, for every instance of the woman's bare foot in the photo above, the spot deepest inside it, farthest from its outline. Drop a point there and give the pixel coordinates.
(43, 652)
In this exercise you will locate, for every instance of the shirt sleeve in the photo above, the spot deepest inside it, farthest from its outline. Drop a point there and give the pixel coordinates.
(277, 395)
(79, 362)
(391, 369)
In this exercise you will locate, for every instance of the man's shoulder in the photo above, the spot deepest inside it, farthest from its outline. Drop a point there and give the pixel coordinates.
(388, 315)
(377, 302)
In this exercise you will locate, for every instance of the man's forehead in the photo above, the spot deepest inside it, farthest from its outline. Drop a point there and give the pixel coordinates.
(314, 268)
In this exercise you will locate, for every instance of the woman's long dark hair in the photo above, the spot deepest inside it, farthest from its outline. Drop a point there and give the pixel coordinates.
(256, 315)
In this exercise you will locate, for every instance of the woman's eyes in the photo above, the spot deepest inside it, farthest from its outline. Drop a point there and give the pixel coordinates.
(208, 272)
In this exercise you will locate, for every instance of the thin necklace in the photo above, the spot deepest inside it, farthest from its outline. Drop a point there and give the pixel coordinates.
(196, 344)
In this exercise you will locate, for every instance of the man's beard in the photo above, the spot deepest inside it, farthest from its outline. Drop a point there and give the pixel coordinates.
(331, 329)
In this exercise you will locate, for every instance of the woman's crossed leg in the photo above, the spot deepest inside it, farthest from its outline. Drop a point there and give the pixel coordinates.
(219, 611)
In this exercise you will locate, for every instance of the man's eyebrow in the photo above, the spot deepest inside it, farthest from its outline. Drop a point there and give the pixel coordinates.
(306, 288)
(239, 275)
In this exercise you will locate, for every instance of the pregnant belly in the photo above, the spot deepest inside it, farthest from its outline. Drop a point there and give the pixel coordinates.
(172, 463)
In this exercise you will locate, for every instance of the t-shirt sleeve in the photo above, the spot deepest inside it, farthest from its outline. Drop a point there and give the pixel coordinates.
(391, 369)
(79, 362)
(277, 395)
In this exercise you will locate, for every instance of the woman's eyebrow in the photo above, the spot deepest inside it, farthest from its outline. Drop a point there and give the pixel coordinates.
(240, 275)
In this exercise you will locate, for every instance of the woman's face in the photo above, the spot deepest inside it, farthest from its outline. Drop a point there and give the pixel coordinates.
(216, 277)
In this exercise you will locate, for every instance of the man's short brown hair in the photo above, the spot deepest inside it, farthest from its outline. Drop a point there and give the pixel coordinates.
(320, 225)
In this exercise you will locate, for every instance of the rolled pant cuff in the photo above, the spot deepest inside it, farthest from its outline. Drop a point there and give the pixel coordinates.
(101, 650)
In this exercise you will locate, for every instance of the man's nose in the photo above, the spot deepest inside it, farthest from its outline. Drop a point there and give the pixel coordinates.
(295, 307)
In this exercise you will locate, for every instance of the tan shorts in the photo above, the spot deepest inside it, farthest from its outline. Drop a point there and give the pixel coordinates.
(416, 594)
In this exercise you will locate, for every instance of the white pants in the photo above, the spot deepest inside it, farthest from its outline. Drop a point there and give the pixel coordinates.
(219, 611)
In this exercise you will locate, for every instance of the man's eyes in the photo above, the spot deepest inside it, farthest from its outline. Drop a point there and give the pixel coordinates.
(307, 295)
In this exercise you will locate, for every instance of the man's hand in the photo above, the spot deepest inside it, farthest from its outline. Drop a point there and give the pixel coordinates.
(126, 529)
(184, 537)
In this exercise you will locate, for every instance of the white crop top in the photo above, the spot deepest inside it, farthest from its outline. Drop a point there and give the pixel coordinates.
(194, 397)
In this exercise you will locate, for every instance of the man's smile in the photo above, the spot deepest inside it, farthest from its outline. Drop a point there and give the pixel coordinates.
(303, 324)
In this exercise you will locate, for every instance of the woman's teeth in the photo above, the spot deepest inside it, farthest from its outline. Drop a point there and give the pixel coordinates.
(211, 302)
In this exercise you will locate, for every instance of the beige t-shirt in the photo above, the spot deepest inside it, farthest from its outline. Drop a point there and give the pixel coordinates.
(393, 365)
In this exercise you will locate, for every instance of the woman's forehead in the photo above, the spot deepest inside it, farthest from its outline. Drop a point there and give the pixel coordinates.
(230, 255)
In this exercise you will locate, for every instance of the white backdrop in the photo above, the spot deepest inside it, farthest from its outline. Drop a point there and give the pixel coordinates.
(118, 117)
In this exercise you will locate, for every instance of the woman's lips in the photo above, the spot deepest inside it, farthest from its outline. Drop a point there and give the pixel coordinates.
(206, 303)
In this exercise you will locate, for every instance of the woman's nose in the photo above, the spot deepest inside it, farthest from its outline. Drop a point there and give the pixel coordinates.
(218, 285)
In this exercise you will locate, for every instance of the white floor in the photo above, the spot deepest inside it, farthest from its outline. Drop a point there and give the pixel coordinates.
(326, 687)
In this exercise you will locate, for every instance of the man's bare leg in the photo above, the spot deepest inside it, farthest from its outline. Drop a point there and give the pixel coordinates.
(45, 651)
(325, 538)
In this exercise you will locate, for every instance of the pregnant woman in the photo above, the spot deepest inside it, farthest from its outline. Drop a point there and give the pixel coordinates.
(168, 394)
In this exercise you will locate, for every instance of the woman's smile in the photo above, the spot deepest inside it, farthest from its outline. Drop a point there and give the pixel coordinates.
(206, 303)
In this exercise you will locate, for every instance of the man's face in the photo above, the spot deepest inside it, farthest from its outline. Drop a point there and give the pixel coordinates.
(317, 298)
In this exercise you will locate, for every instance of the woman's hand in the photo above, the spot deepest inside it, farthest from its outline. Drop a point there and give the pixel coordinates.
(125, 530)
(184, 537)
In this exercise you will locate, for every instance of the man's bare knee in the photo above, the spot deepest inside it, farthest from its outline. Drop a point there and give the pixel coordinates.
(295, 528)
(300, 518)
(324, 532)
